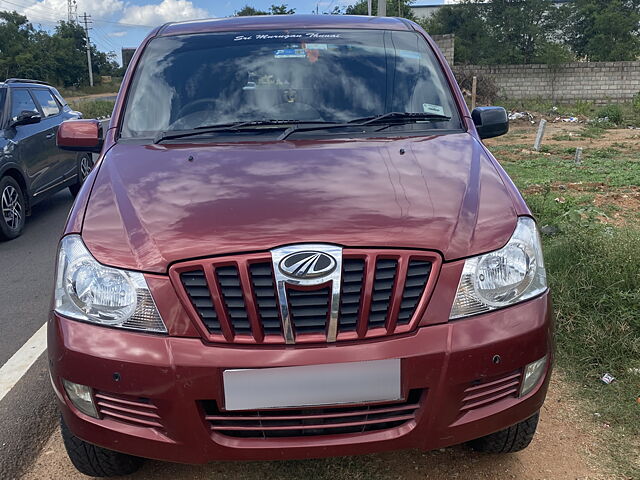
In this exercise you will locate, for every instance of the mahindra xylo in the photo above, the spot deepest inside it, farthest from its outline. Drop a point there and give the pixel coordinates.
(294, 244)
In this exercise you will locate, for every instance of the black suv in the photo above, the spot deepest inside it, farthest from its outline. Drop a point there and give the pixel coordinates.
(31, 166)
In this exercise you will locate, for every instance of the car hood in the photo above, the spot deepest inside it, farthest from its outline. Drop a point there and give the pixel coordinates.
(152, 205)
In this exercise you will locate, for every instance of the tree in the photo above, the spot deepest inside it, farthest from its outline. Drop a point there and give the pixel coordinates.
(502, 31)
(472, 37)
(248, 11)
(59, 58)
(604, 30)
(395, 8)
(281, 9)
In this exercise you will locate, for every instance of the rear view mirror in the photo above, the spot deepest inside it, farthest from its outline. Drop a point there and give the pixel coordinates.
(26, 117)
(490, 121)
(80, 136)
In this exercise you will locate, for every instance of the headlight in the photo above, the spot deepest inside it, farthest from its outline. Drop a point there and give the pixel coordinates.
(504, 277)
(86, 290)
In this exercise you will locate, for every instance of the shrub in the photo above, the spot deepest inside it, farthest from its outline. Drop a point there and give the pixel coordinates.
(94, 108)
(486, 90)
(635, 103)
(613, 113)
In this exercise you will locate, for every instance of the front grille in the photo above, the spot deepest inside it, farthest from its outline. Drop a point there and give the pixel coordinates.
(236, 299)
(136, 411)
(486, 392)
(313, 421)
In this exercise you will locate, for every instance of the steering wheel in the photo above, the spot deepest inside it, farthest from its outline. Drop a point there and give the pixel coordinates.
(303, 111)
(189, 107)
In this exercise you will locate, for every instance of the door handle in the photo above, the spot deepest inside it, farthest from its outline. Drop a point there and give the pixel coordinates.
(50, 135)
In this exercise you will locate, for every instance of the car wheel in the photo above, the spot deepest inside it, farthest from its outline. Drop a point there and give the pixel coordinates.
(85, 164)
(510, 440)
(96, 461)
(13, 208)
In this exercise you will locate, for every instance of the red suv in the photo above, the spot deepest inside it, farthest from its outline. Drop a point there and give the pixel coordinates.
(294, 244)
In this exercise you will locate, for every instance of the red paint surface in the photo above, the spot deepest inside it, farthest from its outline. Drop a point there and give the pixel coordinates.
(78, 134)
(175, 373)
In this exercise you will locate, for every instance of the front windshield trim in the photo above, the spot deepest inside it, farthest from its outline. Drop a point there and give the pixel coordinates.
(424, 45)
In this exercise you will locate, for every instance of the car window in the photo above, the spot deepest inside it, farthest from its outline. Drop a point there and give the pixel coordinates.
(49, 105)
(188, 81)
(21, 101)
(3, 95)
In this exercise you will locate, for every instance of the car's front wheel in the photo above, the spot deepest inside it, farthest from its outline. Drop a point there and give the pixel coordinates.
(96, 461)
(510, 440)
(13, 208)
(85, 164)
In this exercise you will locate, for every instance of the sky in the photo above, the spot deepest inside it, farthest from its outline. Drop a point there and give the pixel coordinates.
(125, 23)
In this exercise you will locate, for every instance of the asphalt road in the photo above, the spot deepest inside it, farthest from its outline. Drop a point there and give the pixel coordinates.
(28, 412)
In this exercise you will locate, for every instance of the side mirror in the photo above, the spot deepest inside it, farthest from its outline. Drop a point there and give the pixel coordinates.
(80, 136)
(490, 121)
(26, 117)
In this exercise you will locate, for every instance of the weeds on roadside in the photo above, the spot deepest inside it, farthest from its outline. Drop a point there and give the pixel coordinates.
(94, 108)
(594, 274)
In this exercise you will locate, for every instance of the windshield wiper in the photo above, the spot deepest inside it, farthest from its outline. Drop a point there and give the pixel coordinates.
(399, 117)
(225, 127)
(386, 118)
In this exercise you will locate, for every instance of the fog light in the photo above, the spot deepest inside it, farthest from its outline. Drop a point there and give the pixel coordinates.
(80, 396)
(532, 374)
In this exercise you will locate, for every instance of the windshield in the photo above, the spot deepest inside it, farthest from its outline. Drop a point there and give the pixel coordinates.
(190, 81)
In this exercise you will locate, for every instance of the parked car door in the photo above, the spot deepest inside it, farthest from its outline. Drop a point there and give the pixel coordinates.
(63, 164)
(33, 142)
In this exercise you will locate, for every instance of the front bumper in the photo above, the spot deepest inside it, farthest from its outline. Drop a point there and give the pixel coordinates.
(178, 374)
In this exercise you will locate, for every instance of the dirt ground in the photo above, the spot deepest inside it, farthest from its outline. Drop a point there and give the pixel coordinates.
(562, 449)
(561, 134)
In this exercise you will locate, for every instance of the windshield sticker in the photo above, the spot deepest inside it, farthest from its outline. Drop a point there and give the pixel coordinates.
(285, 36)
(290, 53)
(435, 109)
(316, 46)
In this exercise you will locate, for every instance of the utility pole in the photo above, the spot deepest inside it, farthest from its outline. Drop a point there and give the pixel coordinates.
(382, 8)
(87, 19)
(369, 6)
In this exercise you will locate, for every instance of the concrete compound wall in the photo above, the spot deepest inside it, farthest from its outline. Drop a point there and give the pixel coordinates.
(599, 82)
(446, 43)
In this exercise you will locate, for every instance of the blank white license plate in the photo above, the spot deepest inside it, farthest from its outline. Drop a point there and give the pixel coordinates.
(309, 385)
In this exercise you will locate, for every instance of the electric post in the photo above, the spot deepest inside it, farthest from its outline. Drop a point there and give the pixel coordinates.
(87, 19)
(382, 8)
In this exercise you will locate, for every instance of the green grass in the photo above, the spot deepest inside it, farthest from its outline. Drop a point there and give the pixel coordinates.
(611, 166)
(594, 273)
(112, 87)
(94, 108)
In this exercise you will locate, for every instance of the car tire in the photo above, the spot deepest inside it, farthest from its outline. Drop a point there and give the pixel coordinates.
(510, 440)
(12, 208)
(96, 461)
(85, 164)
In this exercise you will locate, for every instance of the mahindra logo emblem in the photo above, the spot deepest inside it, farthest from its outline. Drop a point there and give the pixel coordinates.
(307, 264)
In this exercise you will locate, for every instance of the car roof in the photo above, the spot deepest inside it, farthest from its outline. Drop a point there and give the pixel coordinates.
(21, 82)
(284, 22)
